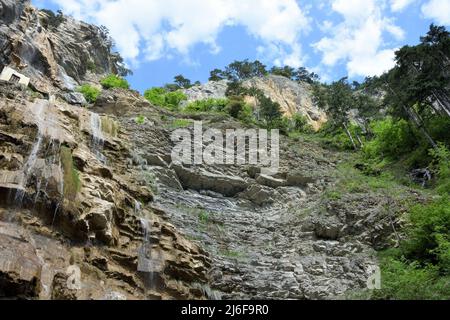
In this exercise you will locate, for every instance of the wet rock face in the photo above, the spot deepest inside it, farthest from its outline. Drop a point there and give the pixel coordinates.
(54, 51)
(69, 196)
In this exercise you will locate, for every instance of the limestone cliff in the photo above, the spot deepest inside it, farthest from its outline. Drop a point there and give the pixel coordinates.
(292, 96)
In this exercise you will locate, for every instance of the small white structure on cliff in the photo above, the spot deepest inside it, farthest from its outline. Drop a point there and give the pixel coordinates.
(11, 75)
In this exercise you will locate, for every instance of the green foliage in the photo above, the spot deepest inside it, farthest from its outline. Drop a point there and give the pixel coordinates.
(336, 138)
(403, 280)
(300, 124)
(207, 105)
(89, 92)
(140, 119)
(174, 99)
(269, 111)
(156, 96)
(286, 71)
(90, 65)
(441, 164)
(429, 235)
(72, 182)
(301, 74)
(420, 268)
(216, 75)
(203, 217)
(164, 98)
(391, 139)
(114, 81)
(180, 123)
(182, 82)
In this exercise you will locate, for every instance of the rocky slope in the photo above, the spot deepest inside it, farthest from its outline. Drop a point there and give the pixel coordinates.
(292, 96)
(91, 206)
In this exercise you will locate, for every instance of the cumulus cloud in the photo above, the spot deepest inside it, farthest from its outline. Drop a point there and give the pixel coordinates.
(437, 10)
(358, 40)
(400, 5)
(152, 29)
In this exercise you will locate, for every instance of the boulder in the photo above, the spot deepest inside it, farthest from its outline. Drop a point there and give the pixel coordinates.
(75, 98)
(259, 195)
(229, 186)
(271, 181)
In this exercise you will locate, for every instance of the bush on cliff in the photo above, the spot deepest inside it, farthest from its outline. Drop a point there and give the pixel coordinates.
(114, 81)
(163, 98)
(89, 92)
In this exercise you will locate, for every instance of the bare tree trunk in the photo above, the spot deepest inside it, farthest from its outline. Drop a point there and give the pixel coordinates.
(415, 118)
(350, 136)
(360, 141)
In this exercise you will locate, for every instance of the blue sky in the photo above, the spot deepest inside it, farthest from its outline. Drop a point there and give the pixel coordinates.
(334, 38)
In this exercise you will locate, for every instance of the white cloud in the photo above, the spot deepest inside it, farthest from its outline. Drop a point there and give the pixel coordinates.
(358, 40)
(438, 10)
(400, 5)
(155, 28)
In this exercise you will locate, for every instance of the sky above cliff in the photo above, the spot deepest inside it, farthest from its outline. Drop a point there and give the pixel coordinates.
(334, 38)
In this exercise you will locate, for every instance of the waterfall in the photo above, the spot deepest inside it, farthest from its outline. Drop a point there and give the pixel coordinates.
(44, 160)
(145, 263)
(98, 139)
(39, 113)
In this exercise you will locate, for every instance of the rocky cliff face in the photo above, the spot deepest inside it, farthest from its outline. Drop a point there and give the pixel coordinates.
(70, 195)
(55, 51)
(91, 206)
(292, 96)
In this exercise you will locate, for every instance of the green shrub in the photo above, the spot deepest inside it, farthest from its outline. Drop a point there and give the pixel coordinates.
(114, 81)
(174, 99)
(401, 280)
(301, 124)
(163, 98)
(441, 165)
(156, 96)
(203, 217)
(245, 115)
(336, 138)
(420, 268)
(89, 92)
(207, 105)
(429, 234)
(392, 139)
(140, 120)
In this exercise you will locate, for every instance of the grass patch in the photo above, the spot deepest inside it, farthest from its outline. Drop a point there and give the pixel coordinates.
(180, 123)
(203, 217)
(140, 120)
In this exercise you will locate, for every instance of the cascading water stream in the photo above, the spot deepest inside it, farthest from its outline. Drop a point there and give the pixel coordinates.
(145, 264)
(39, 113)
(98, 139)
